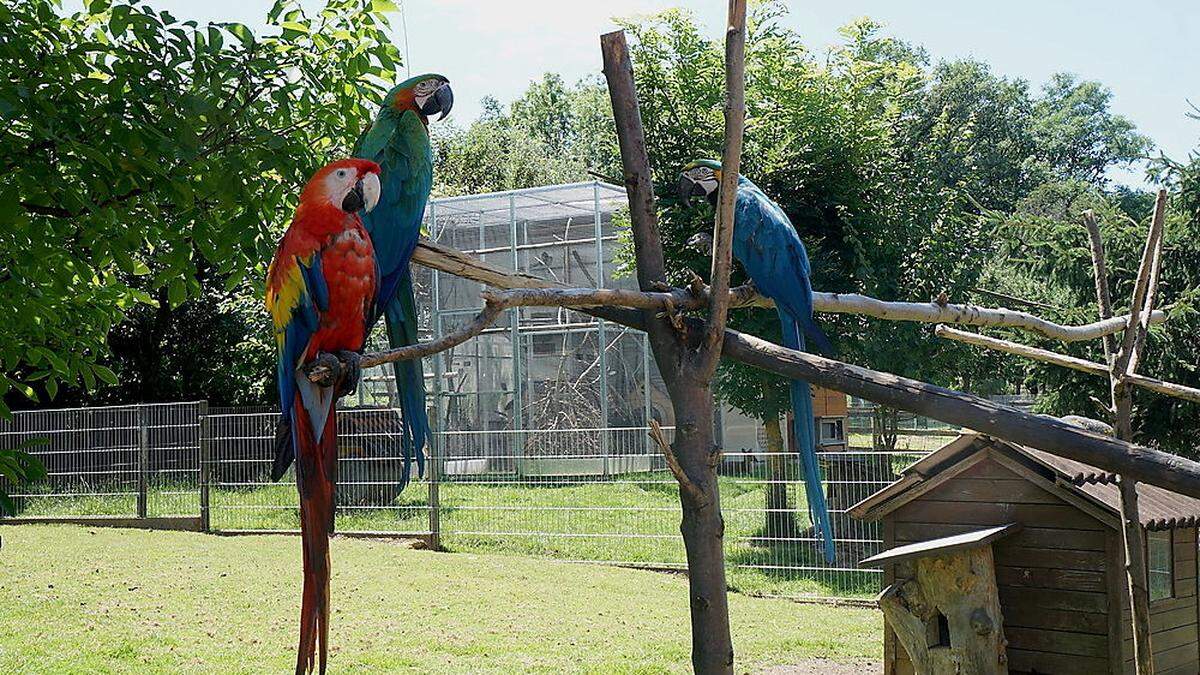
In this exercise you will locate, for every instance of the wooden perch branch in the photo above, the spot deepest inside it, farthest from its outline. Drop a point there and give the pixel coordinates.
(445, 259)
(969, 315)
(1074, 363)
(494, 305)
(1038, 431)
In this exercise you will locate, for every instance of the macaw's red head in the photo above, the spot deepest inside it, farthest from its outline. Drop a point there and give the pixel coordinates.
(349, 185)
(424, 94)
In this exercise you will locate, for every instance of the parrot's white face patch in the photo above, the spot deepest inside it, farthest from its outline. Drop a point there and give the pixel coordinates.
(424, 89)
(339, 184)
(704, 177)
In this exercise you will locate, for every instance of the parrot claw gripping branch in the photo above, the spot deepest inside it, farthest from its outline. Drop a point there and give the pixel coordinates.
(317, 364)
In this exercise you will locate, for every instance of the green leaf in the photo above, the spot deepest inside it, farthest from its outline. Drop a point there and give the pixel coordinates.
(241, 32)
(383, 6)
(176, 292)
(105, 373)
(118, 22)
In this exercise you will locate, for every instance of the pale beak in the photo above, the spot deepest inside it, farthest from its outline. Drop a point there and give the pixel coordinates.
(371, 190)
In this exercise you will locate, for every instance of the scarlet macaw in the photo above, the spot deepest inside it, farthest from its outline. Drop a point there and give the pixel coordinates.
(770, 250)
(398, 140)
(321, 289)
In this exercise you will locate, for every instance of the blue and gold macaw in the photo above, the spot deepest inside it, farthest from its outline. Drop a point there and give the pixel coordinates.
(770, 250)
(398, 140)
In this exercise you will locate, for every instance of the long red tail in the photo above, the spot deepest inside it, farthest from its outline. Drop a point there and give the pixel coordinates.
(316, 475)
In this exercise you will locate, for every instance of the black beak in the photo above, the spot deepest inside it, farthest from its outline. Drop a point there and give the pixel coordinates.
(688, 188)
(353, 201)
(441, 102)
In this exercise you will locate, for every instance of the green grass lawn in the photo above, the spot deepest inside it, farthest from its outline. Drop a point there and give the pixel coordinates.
(633, 519)
(96, 600)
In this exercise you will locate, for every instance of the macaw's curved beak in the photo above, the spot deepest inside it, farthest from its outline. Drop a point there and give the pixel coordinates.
(441, 101)
(353, 201)
(701, 242)
(371, 190)
(688, 188)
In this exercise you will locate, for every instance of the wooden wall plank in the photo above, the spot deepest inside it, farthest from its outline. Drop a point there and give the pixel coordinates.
(1042, 577)
(991, 490)
(1019, 616)
(1057, 642)
(1048, 557)
(1066, 600)
(1026, 661)
(934, 511)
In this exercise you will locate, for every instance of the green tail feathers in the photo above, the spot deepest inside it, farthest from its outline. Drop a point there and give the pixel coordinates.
(401, 318)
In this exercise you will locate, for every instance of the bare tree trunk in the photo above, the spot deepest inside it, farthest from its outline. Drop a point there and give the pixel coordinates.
(703, 529)
(780, 521)
(687, 358)
(884, 428)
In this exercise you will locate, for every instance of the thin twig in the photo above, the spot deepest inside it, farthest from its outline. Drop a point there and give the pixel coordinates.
(685, 483)
(1100, 272)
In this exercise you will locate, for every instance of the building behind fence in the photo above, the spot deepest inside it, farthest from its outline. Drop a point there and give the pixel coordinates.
(540, 440)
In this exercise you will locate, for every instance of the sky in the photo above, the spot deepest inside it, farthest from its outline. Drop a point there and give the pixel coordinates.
(1146, 51)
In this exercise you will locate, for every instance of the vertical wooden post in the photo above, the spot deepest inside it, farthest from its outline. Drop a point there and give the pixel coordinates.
(205, 450)
(1125, 363)
(433, 466)
(143, 461)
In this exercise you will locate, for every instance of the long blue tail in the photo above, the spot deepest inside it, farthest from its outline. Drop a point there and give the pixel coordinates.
(806, 441)
(401, 316)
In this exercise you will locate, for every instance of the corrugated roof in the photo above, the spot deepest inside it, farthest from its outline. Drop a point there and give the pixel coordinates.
(1158, 508)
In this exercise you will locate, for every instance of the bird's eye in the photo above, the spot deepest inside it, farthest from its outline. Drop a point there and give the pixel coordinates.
(341, 173)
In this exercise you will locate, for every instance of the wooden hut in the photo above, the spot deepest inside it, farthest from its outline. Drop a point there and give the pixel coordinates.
(1060, 577)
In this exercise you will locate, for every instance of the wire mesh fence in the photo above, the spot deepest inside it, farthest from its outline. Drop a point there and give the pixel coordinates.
(138, 461)
(582, 494)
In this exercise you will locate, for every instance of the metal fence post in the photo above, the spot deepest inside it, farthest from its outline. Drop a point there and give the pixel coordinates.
(518, 375)
(143, 461)
(601, 338)
(435, 513)
(205, 462)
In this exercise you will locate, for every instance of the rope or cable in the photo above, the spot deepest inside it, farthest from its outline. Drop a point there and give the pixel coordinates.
(404, 27)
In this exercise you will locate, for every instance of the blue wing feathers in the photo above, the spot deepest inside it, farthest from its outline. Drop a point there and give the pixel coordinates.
(770, 250)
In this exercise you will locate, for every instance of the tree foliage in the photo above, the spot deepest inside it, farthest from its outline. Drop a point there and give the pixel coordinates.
(553, 133)
(140, 149)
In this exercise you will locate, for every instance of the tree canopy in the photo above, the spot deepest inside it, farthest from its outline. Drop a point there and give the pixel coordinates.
(141, 149)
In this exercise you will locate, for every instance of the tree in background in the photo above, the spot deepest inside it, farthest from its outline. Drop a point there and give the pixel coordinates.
(1044, 256)
(551, 134)
(149, 162)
